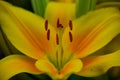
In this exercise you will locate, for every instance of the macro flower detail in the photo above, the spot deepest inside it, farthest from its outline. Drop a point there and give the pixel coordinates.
(59, 44)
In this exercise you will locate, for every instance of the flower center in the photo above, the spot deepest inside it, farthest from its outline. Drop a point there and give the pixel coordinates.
(59, 53)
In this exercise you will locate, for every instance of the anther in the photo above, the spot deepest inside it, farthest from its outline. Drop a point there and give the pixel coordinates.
(70, 25)
(57, 39)
(70, 36)
(58, 23)
(46, 25)
(48, 35)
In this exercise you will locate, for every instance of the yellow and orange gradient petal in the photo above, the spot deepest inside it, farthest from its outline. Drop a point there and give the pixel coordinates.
(98, 65)
(26, 31)
(93, 31)
(15, 64)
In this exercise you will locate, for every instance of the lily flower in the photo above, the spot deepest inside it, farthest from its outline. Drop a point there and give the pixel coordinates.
(58, 45)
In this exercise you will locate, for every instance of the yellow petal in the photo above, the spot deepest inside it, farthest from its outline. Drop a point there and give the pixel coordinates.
(25, 30)
(15, 64)
(112, 46)
(62, 11)
(95, 66)
(94, 30)
(66, 0)
(73, 66)
(47, 67)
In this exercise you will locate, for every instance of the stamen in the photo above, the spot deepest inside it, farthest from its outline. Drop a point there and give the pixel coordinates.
(71, 37)
(70, 25)
(57, 59)
(57, 39)
(46, 25)
(48, 34)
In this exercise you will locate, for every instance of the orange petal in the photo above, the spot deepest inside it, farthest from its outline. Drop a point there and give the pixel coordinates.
(93, 31)
(95, 66)
(25, 30)
(15, 64)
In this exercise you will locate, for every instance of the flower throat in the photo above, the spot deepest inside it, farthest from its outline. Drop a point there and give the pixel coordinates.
(59, 52)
